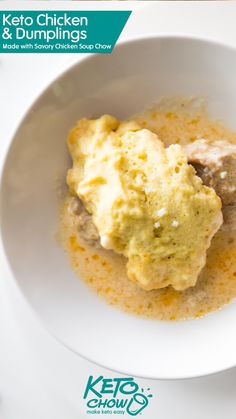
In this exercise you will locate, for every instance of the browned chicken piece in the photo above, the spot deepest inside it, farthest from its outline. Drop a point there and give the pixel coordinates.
(215, 163)
(85, 225)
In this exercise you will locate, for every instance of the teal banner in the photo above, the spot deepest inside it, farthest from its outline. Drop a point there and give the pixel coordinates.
(60, 31)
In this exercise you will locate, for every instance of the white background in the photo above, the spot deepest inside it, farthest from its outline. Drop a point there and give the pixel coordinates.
(39, 378)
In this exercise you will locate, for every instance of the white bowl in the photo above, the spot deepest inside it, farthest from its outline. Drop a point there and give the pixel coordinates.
(133, 76)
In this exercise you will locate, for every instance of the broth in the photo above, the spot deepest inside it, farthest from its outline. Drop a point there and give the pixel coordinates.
(179, 121)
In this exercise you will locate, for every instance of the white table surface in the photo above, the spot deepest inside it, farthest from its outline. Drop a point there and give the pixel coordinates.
(39, 378)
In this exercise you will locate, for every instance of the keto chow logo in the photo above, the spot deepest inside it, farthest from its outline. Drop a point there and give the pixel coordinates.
(115, 396)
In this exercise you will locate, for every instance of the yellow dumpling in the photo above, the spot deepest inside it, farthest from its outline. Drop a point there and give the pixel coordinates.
(145, 200)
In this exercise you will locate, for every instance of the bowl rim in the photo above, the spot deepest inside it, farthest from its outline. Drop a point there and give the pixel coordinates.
(6, 150)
